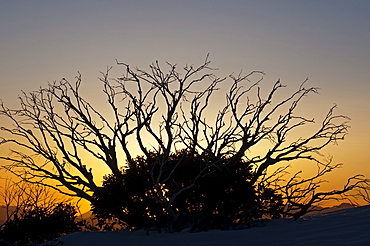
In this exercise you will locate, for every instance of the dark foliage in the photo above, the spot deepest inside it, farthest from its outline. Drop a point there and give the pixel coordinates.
(221, 198)
(39, 224)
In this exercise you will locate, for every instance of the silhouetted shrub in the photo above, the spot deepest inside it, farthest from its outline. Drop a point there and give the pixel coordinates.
(125, 197)
(220, 199)
(39, 224)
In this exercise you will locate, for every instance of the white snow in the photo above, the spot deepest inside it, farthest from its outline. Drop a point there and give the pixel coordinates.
(343, 227)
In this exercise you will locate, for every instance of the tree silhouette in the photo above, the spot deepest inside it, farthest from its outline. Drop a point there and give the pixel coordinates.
(36, 214)
(161, 113)
(40, 224)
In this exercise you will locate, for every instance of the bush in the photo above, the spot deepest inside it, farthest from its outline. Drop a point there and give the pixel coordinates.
(220, 199)
(40, 224)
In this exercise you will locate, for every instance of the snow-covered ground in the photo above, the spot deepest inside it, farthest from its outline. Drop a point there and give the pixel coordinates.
(343, 227)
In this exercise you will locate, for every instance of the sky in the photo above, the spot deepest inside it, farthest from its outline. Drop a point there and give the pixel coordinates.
(326, 41)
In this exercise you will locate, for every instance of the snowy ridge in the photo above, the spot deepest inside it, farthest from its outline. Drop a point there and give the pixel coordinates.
(342, 227)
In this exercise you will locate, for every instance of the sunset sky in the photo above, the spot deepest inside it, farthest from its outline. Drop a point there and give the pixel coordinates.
(327, 41)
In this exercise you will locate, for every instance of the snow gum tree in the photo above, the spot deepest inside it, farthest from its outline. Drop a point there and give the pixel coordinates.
(170, 111)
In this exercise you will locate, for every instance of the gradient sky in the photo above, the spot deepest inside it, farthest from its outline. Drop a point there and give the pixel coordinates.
(326, 41)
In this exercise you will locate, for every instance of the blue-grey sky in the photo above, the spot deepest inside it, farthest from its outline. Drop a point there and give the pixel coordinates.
(327, 41)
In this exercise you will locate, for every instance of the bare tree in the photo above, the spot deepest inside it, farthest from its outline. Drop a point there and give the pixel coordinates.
(161, 112)
(300, 194)
(16, 197)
